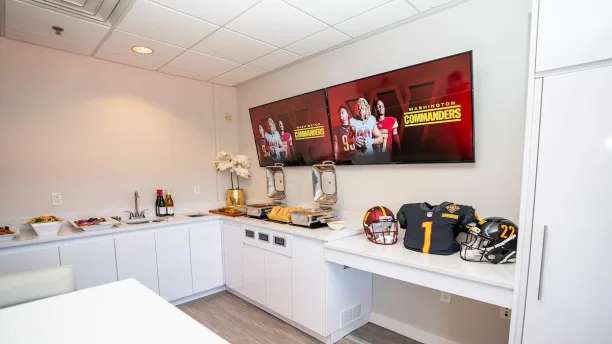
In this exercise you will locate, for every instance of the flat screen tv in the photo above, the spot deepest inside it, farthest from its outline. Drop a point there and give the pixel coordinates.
(293, 131)
(418, 114)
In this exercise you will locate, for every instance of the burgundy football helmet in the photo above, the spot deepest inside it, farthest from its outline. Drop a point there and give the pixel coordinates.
(380, 225)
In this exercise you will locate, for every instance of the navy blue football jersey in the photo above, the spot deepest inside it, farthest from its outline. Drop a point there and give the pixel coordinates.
(434, 229)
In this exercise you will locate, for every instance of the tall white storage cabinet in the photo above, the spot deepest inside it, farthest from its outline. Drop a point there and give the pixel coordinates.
(563, 293)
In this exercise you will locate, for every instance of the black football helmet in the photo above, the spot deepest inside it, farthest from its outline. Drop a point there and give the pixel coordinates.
(493, 240)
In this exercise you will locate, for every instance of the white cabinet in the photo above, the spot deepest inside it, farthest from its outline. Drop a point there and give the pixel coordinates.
(28, 258)
(572, 32)
(569, 283)
(93, 261)
(232, 255)
(173, 262)
(278, 283)
(309, 284)
(206, 256)
(136, 258)
(254, 273)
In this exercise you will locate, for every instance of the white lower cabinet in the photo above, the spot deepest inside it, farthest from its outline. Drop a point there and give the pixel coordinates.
(232, 255)
(28, 258)
(254, 272)
(173, 262)
(205, 241)
(278, 283)
(136, 258)
(309, 284)
(93, 261)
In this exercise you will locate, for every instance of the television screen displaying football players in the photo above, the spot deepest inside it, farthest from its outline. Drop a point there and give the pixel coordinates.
(293, 131)
(417, 114)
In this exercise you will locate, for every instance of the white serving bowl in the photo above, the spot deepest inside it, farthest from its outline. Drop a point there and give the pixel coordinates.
(336, 225)
(46, 229)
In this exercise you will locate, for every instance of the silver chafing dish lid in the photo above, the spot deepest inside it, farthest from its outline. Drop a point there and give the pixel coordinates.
(275, 177)
(324, 184)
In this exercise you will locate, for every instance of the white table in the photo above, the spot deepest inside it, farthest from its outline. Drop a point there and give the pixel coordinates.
(119, 312)
(484, 282)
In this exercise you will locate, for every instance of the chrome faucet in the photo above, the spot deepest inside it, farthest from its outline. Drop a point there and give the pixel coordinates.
(136, 214)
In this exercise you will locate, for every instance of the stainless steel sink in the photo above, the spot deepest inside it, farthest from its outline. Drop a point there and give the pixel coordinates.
(142, 221)
(197, 215)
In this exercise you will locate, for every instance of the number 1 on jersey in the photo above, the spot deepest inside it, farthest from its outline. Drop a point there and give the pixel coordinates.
(426, 236)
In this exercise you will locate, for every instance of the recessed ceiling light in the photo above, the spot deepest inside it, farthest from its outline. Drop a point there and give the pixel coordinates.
(142, 50)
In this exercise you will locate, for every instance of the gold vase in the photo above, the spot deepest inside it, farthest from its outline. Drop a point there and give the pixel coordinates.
(234, 198)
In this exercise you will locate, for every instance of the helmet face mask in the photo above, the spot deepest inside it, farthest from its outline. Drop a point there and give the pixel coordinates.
(494, 241)
(380, 226)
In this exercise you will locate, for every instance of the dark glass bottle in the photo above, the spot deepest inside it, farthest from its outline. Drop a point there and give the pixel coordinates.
(160, 204)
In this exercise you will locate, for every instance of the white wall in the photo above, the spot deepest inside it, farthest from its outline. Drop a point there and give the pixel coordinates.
(497, 32)
(96, 131)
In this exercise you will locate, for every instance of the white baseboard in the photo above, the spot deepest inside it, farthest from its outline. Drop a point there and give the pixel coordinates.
(197, 296)
(408, 330)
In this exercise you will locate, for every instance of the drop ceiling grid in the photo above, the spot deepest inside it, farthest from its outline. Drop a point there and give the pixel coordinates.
(285, 50)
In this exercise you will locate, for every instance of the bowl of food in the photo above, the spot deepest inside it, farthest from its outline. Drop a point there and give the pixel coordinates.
(336, 225)
(46, 225)
(6, 233)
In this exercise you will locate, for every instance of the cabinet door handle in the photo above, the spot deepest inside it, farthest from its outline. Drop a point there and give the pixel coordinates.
(542, 253)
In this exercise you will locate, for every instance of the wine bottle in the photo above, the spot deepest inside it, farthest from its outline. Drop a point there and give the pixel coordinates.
(160, 204)
(169, 204)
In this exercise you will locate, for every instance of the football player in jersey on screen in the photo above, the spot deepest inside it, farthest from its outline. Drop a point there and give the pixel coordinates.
(287, 141)
(275, 144)
(263, 143)
(388, 128)
(344, 137)
(364, 125)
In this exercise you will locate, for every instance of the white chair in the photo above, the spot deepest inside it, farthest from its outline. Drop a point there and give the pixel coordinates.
(34, 285)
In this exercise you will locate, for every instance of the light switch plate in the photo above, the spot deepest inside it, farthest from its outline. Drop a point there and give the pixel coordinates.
(57, 199)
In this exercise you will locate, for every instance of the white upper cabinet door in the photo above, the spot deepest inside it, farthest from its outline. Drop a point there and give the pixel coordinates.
(278, 284)
(254, 272)
(568, 295)
(136, 258)
(28, 258)
(232, 255)
(206, 256)
(173, 262)
(572, 32)
(93, 261)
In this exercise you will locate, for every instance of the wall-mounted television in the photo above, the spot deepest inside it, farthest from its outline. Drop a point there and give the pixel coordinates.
(293, 131)
(417, 114)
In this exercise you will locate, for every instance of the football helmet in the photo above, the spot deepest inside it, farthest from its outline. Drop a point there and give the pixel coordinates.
(493, 240)
(380, 225)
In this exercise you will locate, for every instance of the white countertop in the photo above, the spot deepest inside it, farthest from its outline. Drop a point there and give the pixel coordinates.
(68, 232)
(482, 281)
(119, 312)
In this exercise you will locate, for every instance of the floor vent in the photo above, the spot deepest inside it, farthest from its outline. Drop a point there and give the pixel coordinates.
(349, 315)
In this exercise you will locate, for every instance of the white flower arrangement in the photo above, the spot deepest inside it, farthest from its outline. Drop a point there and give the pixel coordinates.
(237, 165)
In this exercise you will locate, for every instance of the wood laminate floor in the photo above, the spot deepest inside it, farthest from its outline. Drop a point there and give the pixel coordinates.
(240, 322)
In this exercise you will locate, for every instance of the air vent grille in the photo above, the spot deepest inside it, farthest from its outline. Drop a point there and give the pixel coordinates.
(96, 10)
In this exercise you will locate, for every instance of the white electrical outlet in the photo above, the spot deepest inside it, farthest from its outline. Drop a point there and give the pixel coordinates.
(445, 297)
(57, 199)
(505, 313)
(196, 189)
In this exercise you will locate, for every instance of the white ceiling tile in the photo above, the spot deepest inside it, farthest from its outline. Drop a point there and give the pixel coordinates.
(238, 75)
(318, 42)
(198, 66)
(423, 5)
(162, 24)
(274, 60)
(335, 11)
(29, 23)
(276, 22)
(217, 12)
(233, 46)
(118, 48)
(377, 18)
